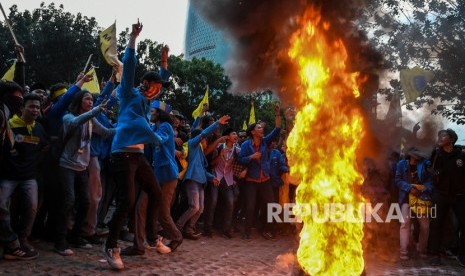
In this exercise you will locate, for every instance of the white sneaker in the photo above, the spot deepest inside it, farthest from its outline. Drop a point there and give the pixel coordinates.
(161, 247)
(113, 257)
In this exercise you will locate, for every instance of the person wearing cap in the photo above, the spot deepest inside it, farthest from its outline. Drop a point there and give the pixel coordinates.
(166, 172)
(412, 177)
(448, 168)
(127, 152)
(159, 156)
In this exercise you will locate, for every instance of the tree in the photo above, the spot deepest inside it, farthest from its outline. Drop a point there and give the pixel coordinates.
(429, 34)
(57, 43)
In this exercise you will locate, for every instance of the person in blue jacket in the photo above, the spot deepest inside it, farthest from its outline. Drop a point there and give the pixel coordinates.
(196, 178)
(166, 169)
(412, 177)
(127, 152)
(255, 156)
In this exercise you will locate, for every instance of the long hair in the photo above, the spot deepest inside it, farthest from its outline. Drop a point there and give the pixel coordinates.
(75, 105)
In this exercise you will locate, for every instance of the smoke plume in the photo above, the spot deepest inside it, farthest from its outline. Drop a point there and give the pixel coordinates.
(259, 32)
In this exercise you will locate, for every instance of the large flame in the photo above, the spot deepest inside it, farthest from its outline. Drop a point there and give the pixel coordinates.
(322, 152)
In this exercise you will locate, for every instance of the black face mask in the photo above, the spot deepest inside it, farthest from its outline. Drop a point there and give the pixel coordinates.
(14, 104)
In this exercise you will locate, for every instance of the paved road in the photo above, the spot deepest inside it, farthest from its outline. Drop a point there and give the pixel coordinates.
(210, 256)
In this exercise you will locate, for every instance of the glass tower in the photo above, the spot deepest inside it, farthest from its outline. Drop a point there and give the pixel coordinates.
(204, 40)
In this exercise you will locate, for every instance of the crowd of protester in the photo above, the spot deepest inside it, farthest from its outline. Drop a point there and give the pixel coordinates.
(65, 162)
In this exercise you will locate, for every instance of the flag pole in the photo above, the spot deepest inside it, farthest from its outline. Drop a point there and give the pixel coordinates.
(87, 63)
(11, 30)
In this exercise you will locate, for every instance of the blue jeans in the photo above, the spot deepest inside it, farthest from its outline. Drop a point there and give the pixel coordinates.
(27, 190)
(195, 198)
(227, 194)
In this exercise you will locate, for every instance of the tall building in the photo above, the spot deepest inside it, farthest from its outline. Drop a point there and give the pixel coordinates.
(203, 40)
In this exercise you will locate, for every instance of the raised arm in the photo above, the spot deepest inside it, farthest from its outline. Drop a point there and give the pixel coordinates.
(60, 107)
(109, 86)
(129, 64)
(20, 71)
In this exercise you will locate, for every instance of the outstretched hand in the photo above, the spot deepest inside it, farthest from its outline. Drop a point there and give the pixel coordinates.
(19, 49)
(277, 109)
(224, 119)
(136, 28)
(164, 52)
(87, 78)
(103, 105)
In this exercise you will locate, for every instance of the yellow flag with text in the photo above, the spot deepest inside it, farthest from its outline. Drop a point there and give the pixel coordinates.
(92, 86)
(108, 44)
(413, 82)
(198, 110)
(10, 74)
(109, 48)
(252, 115)
(244, 126)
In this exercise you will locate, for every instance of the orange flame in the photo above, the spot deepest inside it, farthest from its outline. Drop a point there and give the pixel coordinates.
(322, 152)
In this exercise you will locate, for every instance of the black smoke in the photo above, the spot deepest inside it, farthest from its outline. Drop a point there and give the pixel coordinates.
(259, 32)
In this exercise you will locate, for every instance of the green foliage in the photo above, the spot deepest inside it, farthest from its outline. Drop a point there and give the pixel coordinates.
(58, 43)
(425, 33)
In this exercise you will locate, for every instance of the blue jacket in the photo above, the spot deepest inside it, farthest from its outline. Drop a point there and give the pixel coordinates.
(133, 127)
(197, 162)
(164, 160)
(59, 109)
(277, 167)
(99, 146)
(401, 177)
(253, 166)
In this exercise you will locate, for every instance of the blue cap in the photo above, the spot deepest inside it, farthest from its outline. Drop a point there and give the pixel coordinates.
(162, 106)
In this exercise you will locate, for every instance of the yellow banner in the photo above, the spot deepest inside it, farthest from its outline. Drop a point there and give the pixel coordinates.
(10, 74)
(109, 48)
(92, 86)
(413, 82)
(198, 110)
(244, 126)
(252, 115)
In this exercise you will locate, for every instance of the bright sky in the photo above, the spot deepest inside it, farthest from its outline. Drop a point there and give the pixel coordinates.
(164, 20)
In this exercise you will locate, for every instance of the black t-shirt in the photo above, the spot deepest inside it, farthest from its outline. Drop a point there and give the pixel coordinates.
(21, 161)
(449, 168)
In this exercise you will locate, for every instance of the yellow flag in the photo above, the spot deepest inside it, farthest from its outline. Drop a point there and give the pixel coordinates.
(244, 126)
(108, 44)
(413, 82)
(92, 86)
(10, 74)
(109, 48)
(252, 115)
(198, 110)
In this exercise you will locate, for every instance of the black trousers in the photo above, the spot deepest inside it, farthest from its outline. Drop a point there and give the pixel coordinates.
(129, 168)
